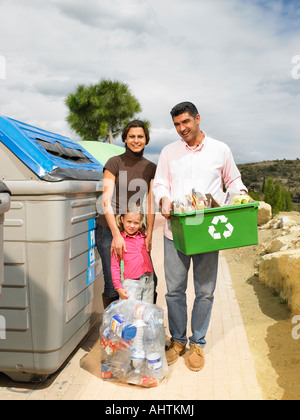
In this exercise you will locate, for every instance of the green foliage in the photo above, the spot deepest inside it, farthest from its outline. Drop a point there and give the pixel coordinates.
(287, 203)
(100, 111)
(286, 172)
(277, 196)
(268, 191)
(254, 195)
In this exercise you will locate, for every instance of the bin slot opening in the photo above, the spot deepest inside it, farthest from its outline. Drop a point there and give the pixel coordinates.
(67, 153)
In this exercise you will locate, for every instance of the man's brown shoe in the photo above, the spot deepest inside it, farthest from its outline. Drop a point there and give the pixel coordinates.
(196, 358)
(173, 352)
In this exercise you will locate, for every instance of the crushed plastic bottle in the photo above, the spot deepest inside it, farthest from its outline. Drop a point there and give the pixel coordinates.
(109, 311)
(137, 348)
(155, 353)
(149, 314)
(120, 326)
(120, 364)
(106, 372)
(111, 343)
(137, 379)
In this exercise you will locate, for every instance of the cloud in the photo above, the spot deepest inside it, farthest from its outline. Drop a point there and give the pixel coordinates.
(133, 15)
(232, 59)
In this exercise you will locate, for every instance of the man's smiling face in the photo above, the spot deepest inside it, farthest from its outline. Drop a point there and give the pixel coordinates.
(187, 126)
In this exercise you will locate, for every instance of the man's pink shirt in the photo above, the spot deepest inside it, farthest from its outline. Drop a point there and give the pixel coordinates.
(180, 169)
(136, 260)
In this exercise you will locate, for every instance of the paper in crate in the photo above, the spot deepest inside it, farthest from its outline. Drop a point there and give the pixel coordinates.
(214, 229)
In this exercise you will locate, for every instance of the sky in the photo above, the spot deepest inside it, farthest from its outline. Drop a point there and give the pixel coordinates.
(238, 61)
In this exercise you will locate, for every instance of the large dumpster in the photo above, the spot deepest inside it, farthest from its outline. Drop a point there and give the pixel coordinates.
(4, 206)
(53, 280)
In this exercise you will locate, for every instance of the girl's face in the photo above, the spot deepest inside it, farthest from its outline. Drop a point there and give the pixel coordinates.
(136, 139)
(132, 223)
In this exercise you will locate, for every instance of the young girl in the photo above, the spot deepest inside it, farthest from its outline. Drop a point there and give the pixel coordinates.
(138, 271)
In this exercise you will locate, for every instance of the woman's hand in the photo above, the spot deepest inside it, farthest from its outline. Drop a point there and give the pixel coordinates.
(117, 246)
(148, 242)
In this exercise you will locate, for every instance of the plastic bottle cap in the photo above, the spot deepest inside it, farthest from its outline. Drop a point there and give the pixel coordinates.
(129, 332)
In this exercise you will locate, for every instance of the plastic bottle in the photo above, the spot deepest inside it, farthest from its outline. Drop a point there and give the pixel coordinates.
(120, 326)
(106, 351)
(109, 312)
(119, 363)
(155, 353)
(137, 348)
(106, 372)
(155, 364)
(149, 314)
(137, 379)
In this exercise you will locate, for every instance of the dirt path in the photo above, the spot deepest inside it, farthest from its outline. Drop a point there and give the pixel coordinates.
(268, 325)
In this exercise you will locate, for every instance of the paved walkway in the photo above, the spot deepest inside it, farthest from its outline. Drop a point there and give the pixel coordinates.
(228, 374)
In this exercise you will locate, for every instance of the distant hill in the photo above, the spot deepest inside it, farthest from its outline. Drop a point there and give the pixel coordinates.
(287, 172)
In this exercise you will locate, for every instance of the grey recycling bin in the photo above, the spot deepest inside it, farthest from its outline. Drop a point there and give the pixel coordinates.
(53, 280)
(4, 206)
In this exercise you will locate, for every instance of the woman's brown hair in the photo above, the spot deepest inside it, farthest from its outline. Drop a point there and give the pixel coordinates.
(134, 124)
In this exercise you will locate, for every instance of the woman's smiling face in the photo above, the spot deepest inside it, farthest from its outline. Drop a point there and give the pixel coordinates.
(136, 139)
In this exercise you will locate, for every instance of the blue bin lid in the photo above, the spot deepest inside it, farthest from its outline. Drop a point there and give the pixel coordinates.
(50, 156)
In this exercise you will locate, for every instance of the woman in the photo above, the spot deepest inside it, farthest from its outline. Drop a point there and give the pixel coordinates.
(127, 180)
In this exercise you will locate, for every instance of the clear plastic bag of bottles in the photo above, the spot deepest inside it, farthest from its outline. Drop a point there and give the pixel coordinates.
(132, 343)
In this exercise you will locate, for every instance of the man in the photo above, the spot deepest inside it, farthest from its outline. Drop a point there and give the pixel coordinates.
(200, 162)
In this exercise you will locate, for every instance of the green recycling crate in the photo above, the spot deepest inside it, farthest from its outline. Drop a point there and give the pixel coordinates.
(215, 228)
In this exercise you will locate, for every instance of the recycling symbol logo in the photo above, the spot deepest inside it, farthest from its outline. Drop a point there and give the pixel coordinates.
(213, 228)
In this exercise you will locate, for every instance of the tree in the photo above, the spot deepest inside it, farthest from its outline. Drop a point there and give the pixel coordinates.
(263, 185)
(254, 195)
(277, 198)
(268, 191)
(100, 111)
(287, 203)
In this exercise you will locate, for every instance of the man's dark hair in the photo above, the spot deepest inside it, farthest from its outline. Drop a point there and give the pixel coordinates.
(184, 107)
